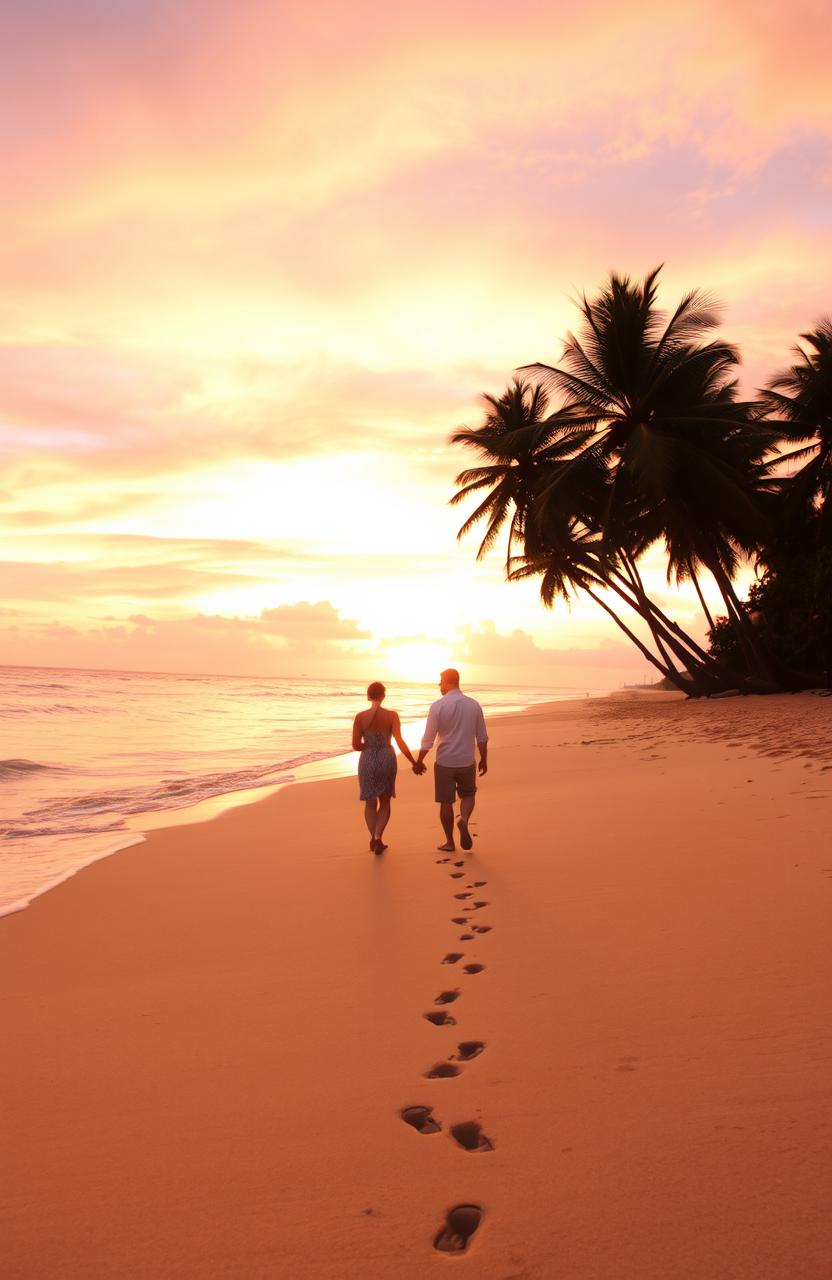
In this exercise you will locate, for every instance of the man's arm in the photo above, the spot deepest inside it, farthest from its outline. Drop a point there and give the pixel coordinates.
(428, 737)
(482, 743)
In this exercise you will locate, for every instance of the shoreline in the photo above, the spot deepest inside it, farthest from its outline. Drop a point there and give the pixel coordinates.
(324, 767)
(216, 1034)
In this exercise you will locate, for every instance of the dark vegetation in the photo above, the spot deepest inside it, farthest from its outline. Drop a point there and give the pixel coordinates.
(637, 439)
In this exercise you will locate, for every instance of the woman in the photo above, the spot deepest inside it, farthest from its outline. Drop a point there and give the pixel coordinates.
(371, 733)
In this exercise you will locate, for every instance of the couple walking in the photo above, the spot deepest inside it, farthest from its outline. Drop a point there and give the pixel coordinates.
(457, 721)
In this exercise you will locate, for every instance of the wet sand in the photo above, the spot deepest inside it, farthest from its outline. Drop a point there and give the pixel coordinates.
(210, 1039)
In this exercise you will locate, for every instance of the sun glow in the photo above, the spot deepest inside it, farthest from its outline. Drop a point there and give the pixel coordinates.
(420, 662)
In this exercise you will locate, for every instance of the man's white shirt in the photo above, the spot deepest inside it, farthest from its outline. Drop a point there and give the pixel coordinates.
(458, 722)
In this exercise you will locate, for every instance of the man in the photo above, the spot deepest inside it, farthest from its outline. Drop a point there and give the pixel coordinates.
(457, 721)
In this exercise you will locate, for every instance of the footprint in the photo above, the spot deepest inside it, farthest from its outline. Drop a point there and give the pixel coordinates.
(440, 860)
(469, 937)
(470, 1136)
(459, 919)
(420, 1119)
(473, 968)
(460, 896)
(459, 864)
(479, 884)
(460, 1224)
(476, 906)
(441, 1071)
(481, 928)
(469, 1049)
(452, 957)
(446, 997)
(456, 875)
(440, 1019)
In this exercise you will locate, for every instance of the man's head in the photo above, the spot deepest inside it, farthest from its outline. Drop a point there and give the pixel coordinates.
(448, 680)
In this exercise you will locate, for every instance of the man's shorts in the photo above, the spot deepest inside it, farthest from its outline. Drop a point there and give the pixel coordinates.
(450, 782)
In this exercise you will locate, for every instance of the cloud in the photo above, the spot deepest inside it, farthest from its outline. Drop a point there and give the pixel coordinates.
(303, 629)
(516, 651)
(486, 646)
(106, 412)
(306, 627)
(238, 240)
(287, 640)
(135, 569)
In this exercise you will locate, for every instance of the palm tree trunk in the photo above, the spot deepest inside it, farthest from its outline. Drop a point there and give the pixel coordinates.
(755, 655)
(688, 687)
(669, 625)
(637, 587)
(700, 665)
(705, 609)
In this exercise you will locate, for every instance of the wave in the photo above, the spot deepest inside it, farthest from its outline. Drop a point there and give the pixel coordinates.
(175, 794)
(55, 709)
(67, 829)
(14, 768)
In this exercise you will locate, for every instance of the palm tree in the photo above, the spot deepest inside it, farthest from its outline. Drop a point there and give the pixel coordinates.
(797, 560)
(649, 444)
(523, 452)
(513, 437)
(684, 456)
(799, 398)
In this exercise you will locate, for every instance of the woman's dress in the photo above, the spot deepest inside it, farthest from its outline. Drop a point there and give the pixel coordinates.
(376, 766)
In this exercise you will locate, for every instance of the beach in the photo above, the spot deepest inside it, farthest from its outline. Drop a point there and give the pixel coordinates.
(210, 1037)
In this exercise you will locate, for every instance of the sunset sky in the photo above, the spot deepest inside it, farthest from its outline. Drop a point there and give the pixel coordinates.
(259, 260)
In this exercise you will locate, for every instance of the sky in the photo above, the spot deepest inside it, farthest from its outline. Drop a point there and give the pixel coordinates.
(260, 260)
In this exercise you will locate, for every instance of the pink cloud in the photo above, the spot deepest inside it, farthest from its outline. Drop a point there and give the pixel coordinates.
(288, 640)
(517, 651)
(283, 230)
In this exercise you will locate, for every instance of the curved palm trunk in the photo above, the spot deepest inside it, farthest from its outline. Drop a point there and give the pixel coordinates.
(702, 667)
(705, 609)
(638, 589)
(690, 687)
(672, 628)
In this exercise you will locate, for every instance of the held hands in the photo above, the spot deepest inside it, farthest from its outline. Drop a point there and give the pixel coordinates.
(419, 767)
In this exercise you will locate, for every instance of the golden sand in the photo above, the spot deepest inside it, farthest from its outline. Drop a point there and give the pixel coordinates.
(210, 1039)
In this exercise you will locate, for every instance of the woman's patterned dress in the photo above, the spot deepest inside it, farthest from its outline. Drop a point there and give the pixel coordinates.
(376, 766)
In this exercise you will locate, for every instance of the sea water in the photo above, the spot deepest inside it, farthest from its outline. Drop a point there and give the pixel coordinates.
(91, 759)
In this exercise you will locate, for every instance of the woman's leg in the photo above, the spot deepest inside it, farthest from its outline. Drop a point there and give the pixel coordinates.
(383, 816)
(370, 816)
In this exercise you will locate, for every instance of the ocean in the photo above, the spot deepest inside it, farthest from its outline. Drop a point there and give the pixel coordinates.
(90, 760)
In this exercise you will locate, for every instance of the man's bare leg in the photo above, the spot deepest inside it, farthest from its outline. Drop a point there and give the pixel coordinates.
(466, 808)
(370, 819)
(382, 819)
(446, 817)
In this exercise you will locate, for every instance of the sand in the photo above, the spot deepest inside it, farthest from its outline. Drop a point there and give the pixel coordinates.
(209, 1038)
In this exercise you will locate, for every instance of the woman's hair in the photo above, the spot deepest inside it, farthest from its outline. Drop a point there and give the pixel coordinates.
(376, 691)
